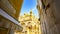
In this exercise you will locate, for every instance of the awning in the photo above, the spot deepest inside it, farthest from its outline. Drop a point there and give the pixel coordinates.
(7, 16)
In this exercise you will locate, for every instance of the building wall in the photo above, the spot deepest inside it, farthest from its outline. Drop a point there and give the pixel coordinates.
(12, 8)
(49, 16)
(6, 25)
(7, 7)
(17, 4)
(30, 24)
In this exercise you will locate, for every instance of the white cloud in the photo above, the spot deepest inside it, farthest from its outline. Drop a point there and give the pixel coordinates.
(34, 9)
(35, 12)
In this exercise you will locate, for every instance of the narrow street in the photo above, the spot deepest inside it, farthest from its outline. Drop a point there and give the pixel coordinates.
(29, 16)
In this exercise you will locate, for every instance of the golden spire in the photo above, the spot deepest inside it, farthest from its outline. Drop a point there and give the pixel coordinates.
(30, 12)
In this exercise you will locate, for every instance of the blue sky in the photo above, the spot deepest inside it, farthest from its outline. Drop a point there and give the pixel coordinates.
(29, 5)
